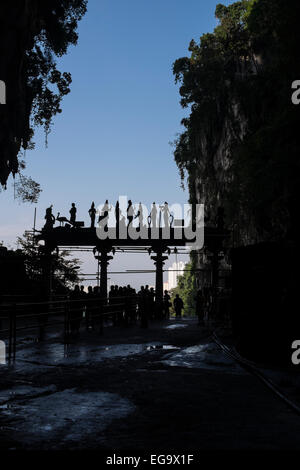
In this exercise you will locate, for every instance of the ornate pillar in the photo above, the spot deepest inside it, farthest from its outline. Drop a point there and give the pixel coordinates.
(159, 261)
(104, 260)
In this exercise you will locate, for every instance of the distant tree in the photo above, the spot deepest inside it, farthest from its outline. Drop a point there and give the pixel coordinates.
(186, 289)
(27, 190)
(65, 269)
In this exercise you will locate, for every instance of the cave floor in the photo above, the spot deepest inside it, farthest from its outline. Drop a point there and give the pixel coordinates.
(166, 388)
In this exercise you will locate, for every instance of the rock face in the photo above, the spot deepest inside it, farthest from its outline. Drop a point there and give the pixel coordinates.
(239, 147)
(213, 169)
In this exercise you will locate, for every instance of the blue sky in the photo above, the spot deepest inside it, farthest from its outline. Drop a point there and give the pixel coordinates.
(113, 136)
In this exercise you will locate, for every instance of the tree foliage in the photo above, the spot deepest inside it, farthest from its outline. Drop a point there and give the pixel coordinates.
(35, 86)
(65, 269)
(186, 289)
(27, 190)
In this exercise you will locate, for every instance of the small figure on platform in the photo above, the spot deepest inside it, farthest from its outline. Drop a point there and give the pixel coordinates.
(166, 214)
(73, 211)
(122, 227)
(200, 300)
(178, 305)
(92, 214)
(50, 219)
(104, 213)
(140, 216)
(153, 215)
(61, 220)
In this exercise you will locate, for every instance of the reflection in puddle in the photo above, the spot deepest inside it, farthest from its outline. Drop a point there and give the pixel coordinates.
(58, 354)
(204, 356)
(161, 347)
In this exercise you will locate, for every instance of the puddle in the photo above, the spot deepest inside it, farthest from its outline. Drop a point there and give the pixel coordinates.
(63, 417)
(57, 354)
(161, 347)
(204, 356)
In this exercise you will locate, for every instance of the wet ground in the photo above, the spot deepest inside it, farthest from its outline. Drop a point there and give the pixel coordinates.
(165, 388)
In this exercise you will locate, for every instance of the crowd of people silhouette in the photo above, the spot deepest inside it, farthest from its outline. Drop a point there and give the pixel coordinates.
(124, 306)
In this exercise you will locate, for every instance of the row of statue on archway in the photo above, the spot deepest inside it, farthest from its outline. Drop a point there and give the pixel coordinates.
(153, 220)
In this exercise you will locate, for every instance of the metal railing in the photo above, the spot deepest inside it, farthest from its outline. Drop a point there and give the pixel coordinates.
(21, 316)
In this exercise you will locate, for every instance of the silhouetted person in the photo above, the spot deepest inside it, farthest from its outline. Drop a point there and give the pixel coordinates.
(130, 292)
(90, 304)
(153, 215)
(178, 305)
(75, 311)
(166, 304)
(142, 306)
(73, 211)
(50, 219)
(92, 214)
(83, 296)
(96, 306)
(127, 305)
(82, 291)
(151, 302)
(113, 300)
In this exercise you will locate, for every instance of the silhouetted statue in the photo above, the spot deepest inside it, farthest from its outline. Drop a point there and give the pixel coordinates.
(153, 216)
(166, 214)
(73, 211)
(92, 214)
(140, 216)
(142, 307)
(104, 213)
(50, 219)
(89, 311)
(61, 220)
(130, 212)
(117, 216)
(178, 305)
